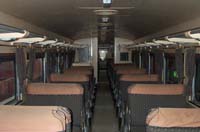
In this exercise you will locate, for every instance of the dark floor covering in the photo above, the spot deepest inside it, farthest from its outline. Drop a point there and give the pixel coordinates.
(105, 119)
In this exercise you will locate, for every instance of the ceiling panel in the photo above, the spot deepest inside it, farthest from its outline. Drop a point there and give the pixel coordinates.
(66, 18)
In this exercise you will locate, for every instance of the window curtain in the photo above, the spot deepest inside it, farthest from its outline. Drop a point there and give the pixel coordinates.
(21, 71)
(135, 58)
(50, 63)
(61, 65)
(66, 60)
(145, 60)
(47, 66)
(189, 69)
(71, 55)
(159, 62)
(31, 62)
(179, 64)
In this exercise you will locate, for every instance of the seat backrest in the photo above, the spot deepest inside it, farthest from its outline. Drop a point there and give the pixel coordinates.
(156, 89)
(37, 118)
(82, 67)
(144, 97)
(130, 70)
(122, 66)
(64, 78)
(54, 89)
(140, 78)
(127, 80)
(66, 95)
(78, 71)
(73, 78)
(174, 119)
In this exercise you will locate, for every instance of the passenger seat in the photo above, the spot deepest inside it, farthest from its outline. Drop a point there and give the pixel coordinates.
(143, 97)
(173, 120)
(66, 95)
(79, 79)
(34, 119)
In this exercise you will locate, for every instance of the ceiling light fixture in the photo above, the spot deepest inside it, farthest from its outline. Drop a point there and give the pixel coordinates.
(107, 1)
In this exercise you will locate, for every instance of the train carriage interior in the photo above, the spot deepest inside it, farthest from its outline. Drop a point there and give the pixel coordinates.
(99, 66)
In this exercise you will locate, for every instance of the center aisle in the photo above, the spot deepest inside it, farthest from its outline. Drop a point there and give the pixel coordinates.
(104, 113)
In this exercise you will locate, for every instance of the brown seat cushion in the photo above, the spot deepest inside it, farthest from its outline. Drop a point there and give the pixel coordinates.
(140, 77)
(78, 71)
(174, 117)
(131, 70)
(69, 78)
(34, 118)
(54, 89)
(122, 66)
(156, 89)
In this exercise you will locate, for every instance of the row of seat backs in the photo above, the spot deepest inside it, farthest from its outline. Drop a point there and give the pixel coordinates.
(37, 118)
(144, 97)
(71, 76)
(162, 119)
(146, 90)
(71, 89)
(66, 95)
(124, 69)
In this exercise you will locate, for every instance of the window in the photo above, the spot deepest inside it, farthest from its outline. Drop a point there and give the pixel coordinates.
(171, 73)
(7, 78)
(197, 81)
(124, 56)
(82, 55)
(107, 1)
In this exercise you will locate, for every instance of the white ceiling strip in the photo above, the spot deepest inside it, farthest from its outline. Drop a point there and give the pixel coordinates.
(29, 40)
(163, 42)
(13, 36)
(183, 40)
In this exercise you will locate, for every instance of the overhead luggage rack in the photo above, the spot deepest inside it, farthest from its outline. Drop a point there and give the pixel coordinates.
(13, 36)
(47, 42)
(10, 36)
(29, 40)
(146, 44)
(58, 44)
(180, 40)
(192, 35)
(163, 42)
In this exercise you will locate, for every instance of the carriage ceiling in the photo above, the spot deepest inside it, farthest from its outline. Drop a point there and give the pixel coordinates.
(76, 19)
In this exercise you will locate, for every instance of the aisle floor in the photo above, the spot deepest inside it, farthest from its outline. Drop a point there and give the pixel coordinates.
(105, 119)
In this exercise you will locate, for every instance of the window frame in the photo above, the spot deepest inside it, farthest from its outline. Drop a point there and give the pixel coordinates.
(122, 56)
